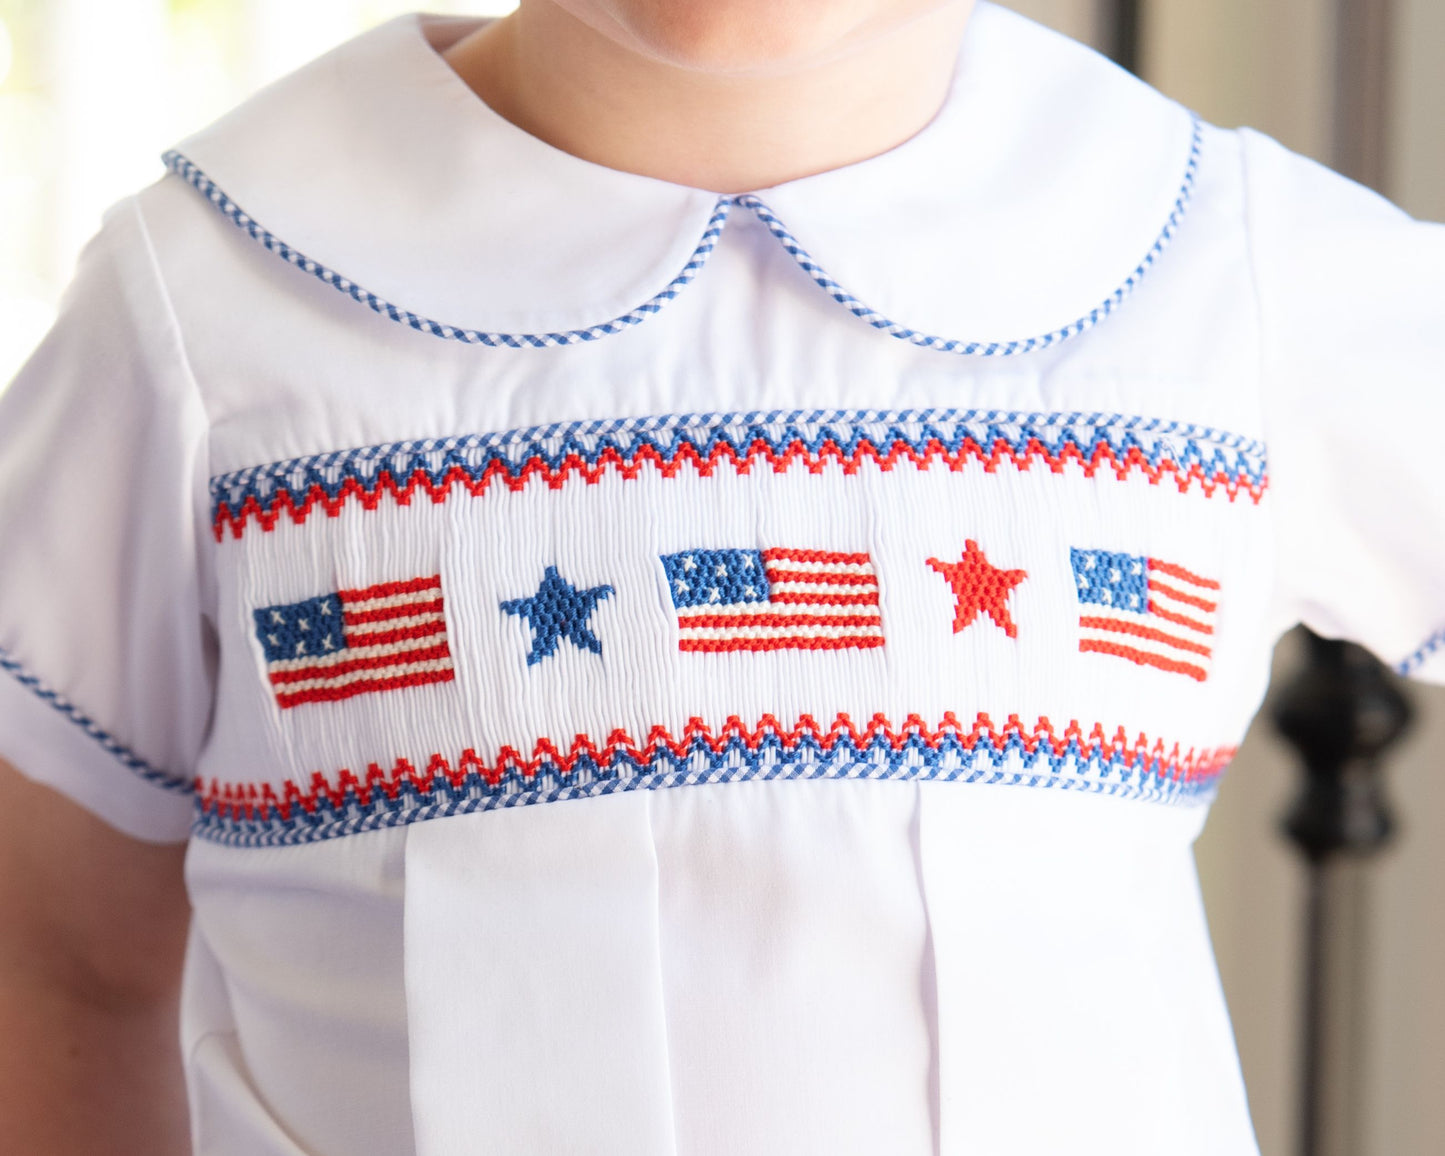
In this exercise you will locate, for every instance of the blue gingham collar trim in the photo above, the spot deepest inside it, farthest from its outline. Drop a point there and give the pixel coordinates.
(1028, 211)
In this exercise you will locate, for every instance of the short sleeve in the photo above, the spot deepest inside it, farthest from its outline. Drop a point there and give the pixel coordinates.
(1351, 295)
(107, 661)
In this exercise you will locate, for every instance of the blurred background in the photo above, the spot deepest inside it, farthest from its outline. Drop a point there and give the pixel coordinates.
(92, 91)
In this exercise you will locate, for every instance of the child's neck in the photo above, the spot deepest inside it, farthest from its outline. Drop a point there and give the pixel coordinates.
(727, 131)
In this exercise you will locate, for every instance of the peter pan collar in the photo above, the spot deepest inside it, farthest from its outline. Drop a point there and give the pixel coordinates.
(1024, 213)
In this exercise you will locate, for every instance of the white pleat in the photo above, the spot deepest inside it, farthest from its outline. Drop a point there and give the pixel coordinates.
(307, 985)
(794, 945)
(228, 1115)
(532, 978)
(1078, 1008)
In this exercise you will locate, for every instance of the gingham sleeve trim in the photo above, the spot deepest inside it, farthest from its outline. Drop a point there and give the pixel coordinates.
(188, 171)
(108, 742)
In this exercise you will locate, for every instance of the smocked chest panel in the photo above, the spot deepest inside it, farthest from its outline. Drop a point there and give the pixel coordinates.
(427, 628)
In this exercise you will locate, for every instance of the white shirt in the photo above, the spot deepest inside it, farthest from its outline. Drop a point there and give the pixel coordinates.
(628, 695)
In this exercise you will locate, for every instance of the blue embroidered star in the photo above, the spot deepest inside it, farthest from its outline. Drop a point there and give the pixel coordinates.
(558, 610)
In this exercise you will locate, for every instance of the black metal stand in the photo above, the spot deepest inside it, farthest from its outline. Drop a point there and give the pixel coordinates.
(1341, 713)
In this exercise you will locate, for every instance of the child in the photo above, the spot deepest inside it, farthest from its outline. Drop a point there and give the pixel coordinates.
(693, 604)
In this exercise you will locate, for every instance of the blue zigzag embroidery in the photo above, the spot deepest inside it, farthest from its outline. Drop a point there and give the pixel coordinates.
(1187, 454)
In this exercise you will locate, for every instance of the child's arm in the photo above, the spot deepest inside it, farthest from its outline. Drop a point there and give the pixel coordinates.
(92, 934)
(105, 693)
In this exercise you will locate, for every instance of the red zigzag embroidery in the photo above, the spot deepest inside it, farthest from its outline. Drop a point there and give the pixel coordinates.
(284, 504)
(260, 802)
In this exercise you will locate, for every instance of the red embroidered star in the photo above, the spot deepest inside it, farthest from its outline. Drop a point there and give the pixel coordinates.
(978, 585)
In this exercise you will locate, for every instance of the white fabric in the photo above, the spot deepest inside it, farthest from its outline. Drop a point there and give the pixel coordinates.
(1353, 401)
(535, 959)
(650, 934)
(295, 1024)
(103, 475)
(1074, 1027)
(570, 885)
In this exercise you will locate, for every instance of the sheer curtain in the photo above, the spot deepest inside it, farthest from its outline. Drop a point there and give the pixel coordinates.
(92, 91)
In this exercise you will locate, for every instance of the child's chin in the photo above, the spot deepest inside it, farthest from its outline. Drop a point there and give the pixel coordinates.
(751, 36)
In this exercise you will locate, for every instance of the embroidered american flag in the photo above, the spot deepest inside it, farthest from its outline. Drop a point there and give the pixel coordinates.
(352, 642)
(1146, 610)
(774, 600)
